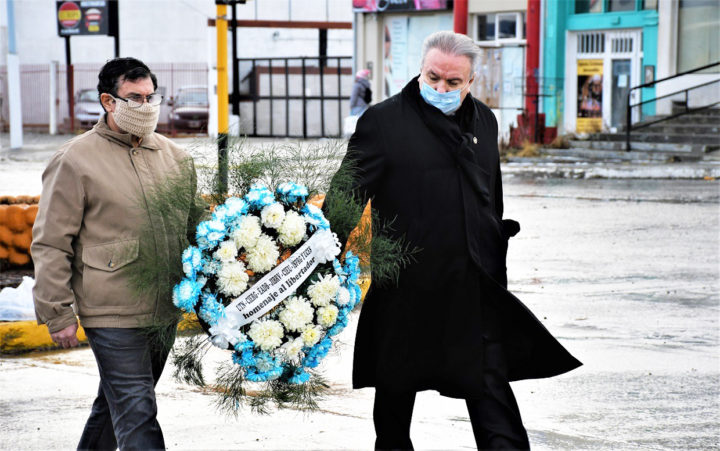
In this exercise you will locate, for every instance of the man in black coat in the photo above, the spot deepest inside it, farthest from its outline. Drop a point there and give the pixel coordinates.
(428, 159)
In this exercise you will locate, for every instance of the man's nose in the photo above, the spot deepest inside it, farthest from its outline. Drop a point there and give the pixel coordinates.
(441, 87)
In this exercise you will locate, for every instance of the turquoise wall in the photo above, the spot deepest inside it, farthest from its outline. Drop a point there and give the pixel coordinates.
(560, 18)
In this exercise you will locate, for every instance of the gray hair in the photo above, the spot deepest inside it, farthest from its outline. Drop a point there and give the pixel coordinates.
(453, 44)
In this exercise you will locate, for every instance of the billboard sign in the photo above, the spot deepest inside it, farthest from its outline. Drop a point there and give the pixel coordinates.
(378, 6)
(83, 18)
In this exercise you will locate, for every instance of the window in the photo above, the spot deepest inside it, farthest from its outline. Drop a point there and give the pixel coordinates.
(650, 4)
(588, 6)
(698, 34)
(621, 5)
(500, 26)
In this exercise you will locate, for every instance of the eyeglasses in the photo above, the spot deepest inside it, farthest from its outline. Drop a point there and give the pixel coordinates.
(137, 100)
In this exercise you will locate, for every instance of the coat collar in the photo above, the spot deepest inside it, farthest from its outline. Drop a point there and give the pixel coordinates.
(457, 133)
(123, 139)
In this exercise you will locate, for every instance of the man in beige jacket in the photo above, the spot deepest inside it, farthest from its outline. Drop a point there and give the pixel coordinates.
(91, 226)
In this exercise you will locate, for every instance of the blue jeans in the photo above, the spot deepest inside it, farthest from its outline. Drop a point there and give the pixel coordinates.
(124, 413)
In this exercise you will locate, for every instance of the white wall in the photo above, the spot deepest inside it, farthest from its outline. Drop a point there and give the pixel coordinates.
(490, 6)
(165, 31)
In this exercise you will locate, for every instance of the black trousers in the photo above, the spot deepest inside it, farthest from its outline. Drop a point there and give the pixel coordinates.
(124, 413)
(495, 417)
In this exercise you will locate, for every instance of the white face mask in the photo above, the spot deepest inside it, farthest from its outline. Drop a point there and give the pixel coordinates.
(140, 121)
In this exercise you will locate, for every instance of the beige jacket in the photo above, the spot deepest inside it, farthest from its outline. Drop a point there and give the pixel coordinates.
(88, 229)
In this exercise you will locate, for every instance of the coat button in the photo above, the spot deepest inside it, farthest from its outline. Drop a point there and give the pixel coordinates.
(474, 139)
(134, 152)
(111, 264)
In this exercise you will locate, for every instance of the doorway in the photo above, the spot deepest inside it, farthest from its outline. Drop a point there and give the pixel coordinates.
(603, 65)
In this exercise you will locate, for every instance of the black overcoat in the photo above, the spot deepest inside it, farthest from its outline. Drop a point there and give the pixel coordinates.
(438, 179)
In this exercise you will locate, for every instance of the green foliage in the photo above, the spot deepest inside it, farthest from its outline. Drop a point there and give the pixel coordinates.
(233, 393)
(171, 208)
(230, 389)
(187, 360)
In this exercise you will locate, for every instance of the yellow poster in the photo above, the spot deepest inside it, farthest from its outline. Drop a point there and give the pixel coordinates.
(589, 96)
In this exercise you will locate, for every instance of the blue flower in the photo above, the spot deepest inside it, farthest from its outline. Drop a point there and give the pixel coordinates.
(210, 267)
(339, 271)
(338, 327)
(352, 267)
(185, 295)
(314, 216)
(220, 213)
(299, 376)
(317, 353)
(209, 234)
(211, 310)
(259, 197)
(243, 354)
(191, 261)
(291, 193)
(236, 206)
(265, 368)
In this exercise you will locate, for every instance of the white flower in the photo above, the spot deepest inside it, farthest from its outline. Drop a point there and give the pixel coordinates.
(227, 251)
(273, 215)
(297, 314)
(311, 335)
(343, 296)
(248, 232)
(232, 278)
(292, 230)
(324, 290)
(327, 245)
(327, 316)
(267, 335)
(263, 256)
(293, 348)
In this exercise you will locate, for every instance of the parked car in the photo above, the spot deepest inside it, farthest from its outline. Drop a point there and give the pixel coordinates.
(87, 108)
(189, 109)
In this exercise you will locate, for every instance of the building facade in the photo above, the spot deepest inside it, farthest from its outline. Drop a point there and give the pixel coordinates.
(596, 51)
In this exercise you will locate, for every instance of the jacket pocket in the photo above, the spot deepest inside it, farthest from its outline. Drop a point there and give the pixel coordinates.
(111, 257)
(107, 286)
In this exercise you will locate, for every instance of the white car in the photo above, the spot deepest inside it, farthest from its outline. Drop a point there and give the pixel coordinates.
(87, 108)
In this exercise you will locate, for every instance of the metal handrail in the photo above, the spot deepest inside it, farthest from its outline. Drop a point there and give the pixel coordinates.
(628, 109)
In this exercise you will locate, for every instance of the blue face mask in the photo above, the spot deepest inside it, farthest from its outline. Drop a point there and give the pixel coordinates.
(447, 102)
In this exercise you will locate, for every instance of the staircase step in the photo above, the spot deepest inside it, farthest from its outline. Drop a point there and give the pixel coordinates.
(694, 119)
(671, 128)
(669, 149)
(714, 111)
(643, 136)
(580, 153)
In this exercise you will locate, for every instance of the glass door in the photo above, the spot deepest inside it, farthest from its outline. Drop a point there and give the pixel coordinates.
(620, 87)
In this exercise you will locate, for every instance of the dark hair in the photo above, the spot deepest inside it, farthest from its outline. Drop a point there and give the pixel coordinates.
(119, 70)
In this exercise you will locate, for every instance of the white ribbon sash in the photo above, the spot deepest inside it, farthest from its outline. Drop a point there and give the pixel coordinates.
(283, 280)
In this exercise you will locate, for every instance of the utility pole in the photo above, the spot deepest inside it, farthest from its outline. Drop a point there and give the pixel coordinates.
(13, 71)
(221, 26)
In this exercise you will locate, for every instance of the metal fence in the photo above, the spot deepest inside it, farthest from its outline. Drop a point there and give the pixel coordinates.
(36, 95)
(298, 97)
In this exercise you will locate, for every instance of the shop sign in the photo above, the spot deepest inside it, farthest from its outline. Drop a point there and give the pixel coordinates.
(375, 6)
(83, 18)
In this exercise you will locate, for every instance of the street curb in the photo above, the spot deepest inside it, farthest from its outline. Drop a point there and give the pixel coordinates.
(24, 336)
(18, 337)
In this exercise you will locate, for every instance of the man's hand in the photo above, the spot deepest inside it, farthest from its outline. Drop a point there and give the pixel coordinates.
(67, 338)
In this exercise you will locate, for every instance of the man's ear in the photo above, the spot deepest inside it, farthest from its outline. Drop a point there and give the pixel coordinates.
(108, 102)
